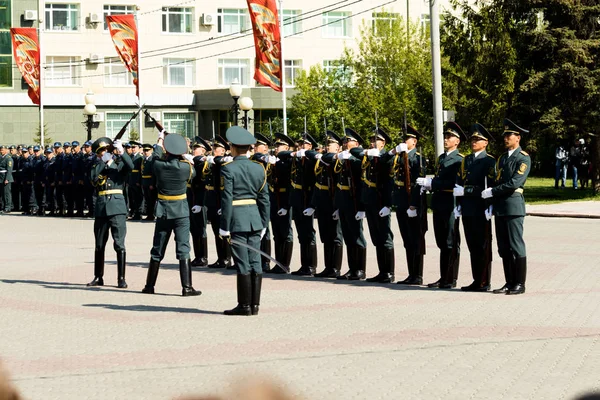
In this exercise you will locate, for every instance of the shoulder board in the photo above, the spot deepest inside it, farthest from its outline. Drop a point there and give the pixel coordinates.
(524, 153)
(226, 163)
(417, 153)
(491, 156)
(461, 155)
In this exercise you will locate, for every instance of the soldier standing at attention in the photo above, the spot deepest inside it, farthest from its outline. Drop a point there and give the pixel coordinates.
(148, 188)
(27, 197)
(136, 197)
(108, 176)
(196, 204)
(171, 174)
(38, 180)
(244, 217)
(49, 182)
(509, 209)
(59, 190)
(6, 179)
(478, 170)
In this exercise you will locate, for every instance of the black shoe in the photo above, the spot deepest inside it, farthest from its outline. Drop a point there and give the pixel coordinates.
(121, 261)
(148, 289)
(96, 282)
(475, 287)
(217, 264)
(411, 280)
(448, 285)
(149, 218)
(240, 309)
(435, 284)
(244, 295)
(503, 290)
(185, 273)
(256, 284)
(136, 217)
(277, 270)
(345, 276)
(382, 277)
(122, 284)
(199, 262)
(358, 275)
(304, 271)
(328, 273)
(519, 288)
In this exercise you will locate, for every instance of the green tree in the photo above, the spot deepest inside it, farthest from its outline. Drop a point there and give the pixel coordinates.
(47, 139)
(134, 135)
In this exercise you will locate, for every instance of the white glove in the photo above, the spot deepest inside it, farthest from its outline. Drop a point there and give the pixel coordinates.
(189, 157)
(300, 153)
(487, 194)
(262, 233)
(196, 209)
(282, 212)
(458, 191)
(219, 212)
(210, 159)
(360, 215)
(372, 153)
(425, 182)
(223, 233)
(226, 159)
(336, 215)
(161, 134)
(272, 160)
(118, 146)
(411, 213)
(318, 156)
(106, 157)
(401, 148)
(457, 212)
(308, 212)
(489, 212)
(384, 212)
(344, 155)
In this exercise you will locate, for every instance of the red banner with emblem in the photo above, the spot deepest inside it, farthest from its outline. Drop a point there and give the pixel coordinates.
(26, 50)
(267, 41)
(124, 34)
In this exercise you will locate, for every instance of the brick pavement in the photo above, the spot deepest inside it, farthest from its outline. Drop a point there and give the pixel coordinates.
(321, 339)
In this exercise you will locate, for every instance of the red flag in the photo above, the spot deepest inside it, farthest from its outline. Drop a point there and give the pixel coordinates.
(267, 41)
(26, 50)
(123, 32)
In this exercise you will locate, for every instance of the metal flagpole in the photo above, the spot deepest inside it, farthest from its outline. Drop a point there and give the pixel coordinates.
(282, 67)
(436, 66)
(141, 119)
(42, 77)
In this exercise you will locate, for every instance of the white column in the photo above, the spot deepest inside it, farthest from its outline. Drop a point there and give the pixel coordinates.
(42, 76)
(283, 92)
(436, 66)
(141, 114)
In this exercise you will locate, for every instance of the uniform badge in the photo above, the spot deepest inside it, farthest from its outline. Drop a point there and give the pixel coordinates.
(222, 182)
(10, 163)
(522, 169)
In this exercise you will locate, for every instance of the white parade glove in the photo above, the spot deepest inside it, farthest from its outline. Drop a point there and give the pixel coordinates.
(262, 233)
(373, 152)
(196, 209)
(282, 212)
(401, 148)
(106, 157)
(226, 159)
(360, 215)
(489, 212)
(344, 155)
(336, 215)
(300, 153)
(318, 156)
(118, 146)
(487, 194)
(457, 212)
(425, 182)
(308, 212)
(210, 159)
(423, 190)
(219, 212)
(202, 159)
(273, 160)
(384, 212)
(161, 134)
(458, 191)
(223, 233)
(411, 213)
(189, 157)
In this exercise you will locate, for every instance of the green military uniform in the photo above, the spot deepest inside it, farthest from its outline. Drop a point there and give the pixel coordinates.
(477, 171)
(195, 192)
(108, 177)
(170, 175)
(509, 210)
(148, 188)
(244, 217)
(6, 179)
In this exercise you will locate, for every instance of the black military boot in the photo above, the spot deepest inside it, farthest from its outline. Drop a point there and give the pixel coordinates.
(507, 265)
(219, 245)
(477, 266)
(121, 262)
(308, 256)
(227, 255)
(256, 282)
(198, 252)
(98, 269)
(152, 276)
(285, 258)
(265, 247)
(327, 253)
(351, 254)
(185, 273)
(244, 295)
(520, 274)
(380, 264)
(333, 261)
(358, 274)
(390, 260)
(410, 260)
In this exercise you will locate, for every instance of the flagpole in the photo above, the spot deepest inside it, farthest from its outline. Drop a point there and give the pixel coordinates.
(42, 77)
(141, 119)
(282, 67)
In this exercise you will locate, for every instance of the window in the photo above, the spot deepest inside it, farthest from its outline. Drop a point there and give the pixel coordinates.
(116, 74)
(292, 71)
(115, 121)
(178, 72)
(180, 123)
(233, 20)
(425, 22)
(291, 23)
(6, 57)
(116, 10)
(62, 17)
(5, 15)
(230, 69)
(177, 19)
(331, 66)
(385, 22)
(336, 24)
(63, 71)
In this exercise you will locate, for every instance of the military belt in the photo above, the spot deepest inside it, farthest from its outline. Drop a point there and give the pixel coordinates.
(280, 190)
(296, 186)
(343, 187)
(3, 171)
(243, 202)
(135, 170)
(146, 176)
(369, 183)
(399, 183)
(189, 185)
(172, 197)
(322, 187)
(208, 187)
(519, 190)
(109, 192)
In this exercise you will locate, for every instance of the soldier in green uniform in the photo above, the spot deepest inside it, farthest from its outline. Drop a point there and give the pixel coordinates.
(171, 174)
(477, 171)
(6, 179)
(108, 176)
(442, 204)
(136, 196)
(196, 193)
(408, 166)
(509, 208)
(244, 218)
(148, 188)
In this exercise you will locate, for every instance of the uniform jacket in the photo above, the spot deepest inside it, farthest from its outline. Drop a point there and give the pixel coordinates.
(106, 178)
(135, 176)
(302, 179)
(325, 182)
(442, 185)
(376, 183)
(211, 174)
(6, 164)
(171, 176)
(507, 193)
(38, 169)
(401, 197)
(349, 185)
(472, 176)
(279, 180)
(146, 167)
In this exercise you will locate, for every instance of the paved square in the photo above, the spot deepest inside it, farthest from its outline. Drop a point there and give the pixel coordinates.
(323, 339)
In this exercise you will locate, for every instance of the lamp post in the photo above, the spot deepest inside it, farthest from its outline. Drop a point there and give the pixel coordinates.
(89, 111)
(235, 90)
(246, 104)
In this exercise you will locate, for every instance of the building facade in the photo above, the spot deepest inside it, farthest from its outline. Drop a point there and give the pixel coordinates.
(190, 53)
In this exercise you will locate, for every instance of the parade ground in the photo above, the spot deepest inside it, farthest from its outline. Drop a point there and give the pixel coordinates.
(317, 338)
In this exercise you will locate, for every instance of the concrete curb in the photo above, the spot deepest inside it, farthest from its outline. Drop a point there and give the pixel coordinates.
(558, 215)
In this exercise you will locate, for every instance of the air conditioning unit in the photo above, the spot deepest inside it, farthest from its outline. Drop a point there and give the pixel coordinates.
(30, 15)
(208, 19)
(95, 18)
(156, 115)
(96, 59)
(98, 117)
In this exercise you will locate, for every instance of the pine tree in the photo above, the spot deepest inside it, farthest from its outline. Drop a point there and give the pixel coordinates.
(47, 139)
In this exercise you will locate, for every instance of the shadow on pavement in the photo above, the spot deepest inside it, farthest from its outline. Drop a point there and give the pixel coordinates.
(79, 286)
(141, 307)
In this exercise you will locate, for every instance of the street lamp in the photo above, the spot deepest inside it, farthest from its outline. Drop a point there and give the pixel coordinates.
(89, 111)
(235, 90)
(246, 104)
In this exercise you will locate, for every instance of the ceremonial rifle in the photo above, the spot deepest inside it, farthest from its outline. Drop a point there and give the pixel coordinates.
(487, 248)
(423, 203)
(156, 123)
(120, 134)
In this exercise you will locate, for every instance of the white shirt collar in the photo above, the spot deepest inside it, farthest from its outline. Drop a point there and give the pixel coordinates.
(478, 153)
(510, 152)
(450, 152)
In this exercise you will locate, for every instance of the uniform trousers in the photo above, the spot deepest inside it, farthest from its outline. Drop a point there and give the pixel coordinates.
(162, 233)
(509, 231)
(118, 230)
(246, 260)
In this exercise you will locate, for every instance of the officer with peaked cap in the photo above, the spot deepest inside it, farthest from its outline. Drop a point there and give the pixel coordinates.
(67, 178)
(6, 179)
(509, 208)
(171, 175)
(196, 194)
(136, 197)
(244, 218)
(49, 181)
(148, 189)
(88, 189)
(38, 179)
(108, 176)
(27, 197)
(442, 204)
(477, 172)
(78, 181)
(408, 165)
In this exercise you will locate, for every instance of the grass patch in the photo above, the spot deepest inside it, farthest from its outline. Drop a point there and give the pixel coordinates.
(541, 191)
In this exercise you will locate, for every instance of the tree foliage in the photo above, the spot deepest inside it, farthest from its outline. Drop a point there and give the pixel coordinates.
(47, 139)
